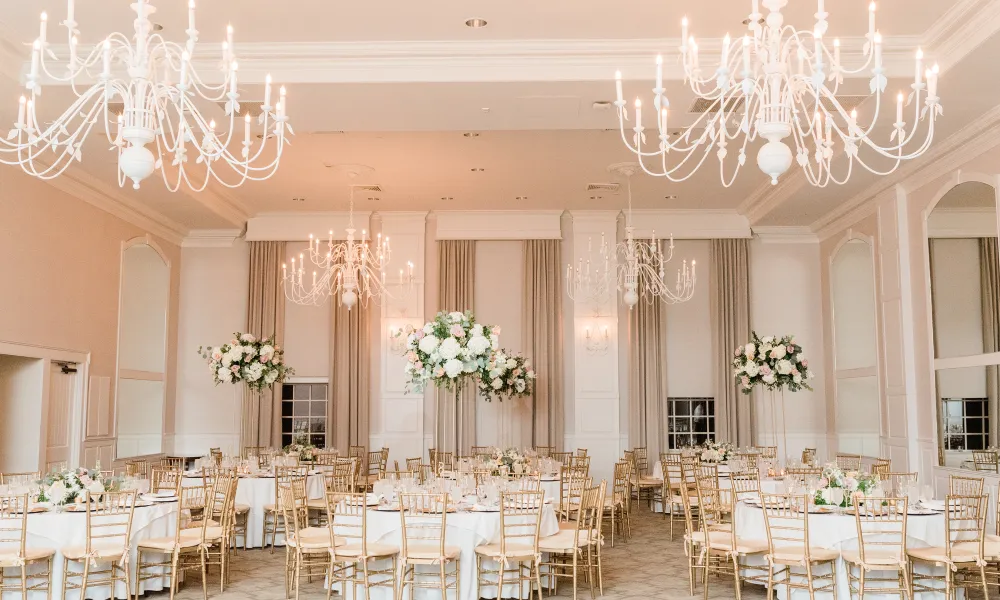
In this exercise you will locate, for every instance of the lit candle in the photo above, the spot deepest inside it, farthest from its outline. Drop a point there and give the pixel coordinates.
(932, 80)
(69, 11)
(191, 15)
(225, 52)
(878, 50)
(663, 120)
(20, 112)
(185, 57)
(229, 38)
(232, 81)
(211, 126)
(284, 105)
(41, 28)
(35, 52)
(267, 91)
(871, 20)
(284, 271)
(836, 52)
(684, 30)
(725, 52)
(919, 71)
(854, 121)
(246, 138)
(659, 71)
(618, 84)
(694, 54)
(638, 113)
(31, 115)
(899, 107)
(107, 58)
(331, 237)
(746, 56)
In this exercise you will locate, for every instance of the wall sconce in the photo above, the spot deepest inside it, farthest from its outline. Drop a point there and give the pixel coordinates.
(596, 342)
(397, 340)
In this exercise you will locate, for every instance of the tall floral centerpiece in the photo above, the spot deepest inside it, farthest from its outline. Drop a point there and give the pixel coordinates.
(775, 363)
(448, 351)
(506, 375)
(258, 363)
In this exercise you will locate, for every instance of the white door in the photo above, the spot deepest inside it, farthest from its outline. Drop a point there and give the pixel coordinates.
(62, 388)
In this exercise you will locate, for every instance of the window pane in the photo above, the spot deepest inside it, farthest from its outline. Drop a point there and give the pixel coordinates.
(682, 407)
(318, 408)
(300, 425)
(953, 408)
(974, 408)
(318, 391)
(698, 408)
(286, 439)
(318, 440)
(286, 391)
(977, 442)
(317, 426)
(286, 425)
(301, 392)
(286, 408)
(974, 425)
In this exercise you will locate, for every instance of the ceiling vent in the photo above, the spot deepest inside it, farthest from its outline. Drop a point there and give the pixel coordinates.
(604, 187)
(372, 189)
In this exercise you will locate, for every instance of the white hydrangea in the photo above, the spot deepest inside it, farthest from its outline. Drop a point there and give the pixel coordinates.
(478, 344)
(453, 367)
(450, 348)
(429, 344)
(784, 366)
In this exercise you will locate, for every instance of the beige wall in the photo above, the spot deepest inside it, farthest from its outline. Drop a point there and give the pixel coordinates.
(60, 265)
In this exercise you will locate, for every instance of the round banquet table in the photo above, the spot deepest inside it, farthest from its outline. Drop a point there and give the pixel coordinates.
(839, 532)
(257, 492)
(552, 486)
(57, 530)
(768, 485)
(464, 529)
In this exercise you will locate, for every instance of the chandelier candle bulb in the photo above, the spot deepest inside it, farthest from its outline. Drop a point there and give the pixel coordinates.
(724, 59)
(229, 38)
(932, 80)
(836, 53)
(20, 112)
(69, 12)
(755, 8)
(185, 58)
(746, 56)
(618, 85)
(659, 73)
(899, 108)
(73, 43)
(191, 28)
(267, 91)
(871, 21)
(684, 32)
(878, 50)
(232, 80)
(818, 48)
(282, 101)
(638, 114)
(42, 26)
(225, 52)
(694, 55)
(919, 71)
(35, 54)
(30, 125)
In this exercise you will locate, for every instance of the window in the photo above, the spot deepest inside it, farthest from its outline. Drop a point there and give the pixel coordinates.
(966, 423)
(303, 413)
(690, 421)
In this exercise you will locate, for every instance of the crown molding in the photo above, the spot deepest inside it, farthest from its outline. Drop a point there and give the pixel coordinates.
(222, 205)
(785, 235)
(976, 138)
(211, 238)
(962, 222)
(961, 30)
(82, 185)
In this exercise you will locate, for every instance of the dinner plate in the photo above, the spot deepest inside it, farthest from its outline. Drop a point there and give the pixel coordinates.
(389, 508)
(916, 510)
(154, 498)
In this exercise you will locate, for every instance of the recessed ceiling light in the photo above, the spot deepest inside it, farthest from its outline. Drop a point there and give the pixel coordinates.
(602, 105)
(298, 199)
(670, 197)
(477, 169)
(597, 197)
(476, 23)
(447, 198)
(470, 134)
(485, 109)
(520, 197)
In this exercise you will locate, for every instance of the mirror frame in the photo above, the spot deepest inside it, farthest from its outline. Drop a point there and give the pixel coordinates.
(144, 240)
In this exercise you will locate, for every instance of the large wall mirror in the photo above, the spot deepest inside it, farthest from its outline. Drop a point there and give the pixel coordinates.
(852, 278)
(142, 346)
(965, 296)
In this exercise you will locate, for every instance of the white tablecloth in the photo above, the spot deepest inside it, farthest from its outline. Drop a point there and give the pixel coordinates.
(59, 530)
(839, 532)
(552, 488)
(464, 529)
(768, 485)
(256, 492)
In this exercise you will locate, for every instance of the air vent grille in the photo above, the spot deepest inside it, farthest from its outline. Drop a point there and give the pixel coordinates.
(603, 187)
(374, 189)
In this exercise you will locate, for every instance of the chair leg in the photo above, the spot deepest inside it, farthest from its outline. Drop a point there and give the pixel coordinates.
(736, 576)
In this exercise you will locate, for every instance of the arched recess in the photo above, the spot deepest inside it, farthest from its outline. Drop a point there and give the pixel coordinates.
(143, 305)
(963, 297)
(857, 399)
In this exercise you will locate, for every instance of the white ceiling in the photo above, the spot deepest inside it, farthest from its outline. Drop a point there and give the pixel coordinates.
(392, 85)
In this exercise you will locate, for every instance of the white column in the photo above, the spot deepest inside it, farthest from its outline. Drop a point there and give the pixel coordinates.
(397, 418)
(596, 401)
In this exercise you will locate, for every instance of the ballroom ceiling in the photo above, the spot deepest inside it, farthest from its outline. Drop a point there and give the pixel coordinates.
(389, 89)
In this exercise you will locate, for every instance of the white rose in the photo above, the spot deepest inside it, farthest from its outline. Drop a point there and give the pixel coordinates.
(477, 329)
(453, 367)
(271, 377)
(769, 378)
(752, 369)
(767, 339)
(778, 352)
(246, 337)
(765, 349)
(478, 344)
(223, 372)
(511, 363)
(429, 344)
(519, 385)
(750, 350)
(227, 359)
(784, 366)
(449, 348)
(797, 378)
(428, 329)
(494, 341)
(456, 316)
(496, 383)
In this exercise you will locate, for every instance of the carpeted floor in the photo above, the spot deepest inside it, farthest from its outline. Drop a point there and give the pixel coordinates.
(649, 566)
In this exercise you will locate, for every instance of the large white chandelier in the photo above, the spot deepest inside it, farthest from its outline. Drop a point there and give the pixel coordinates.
(785, 82)
(354, 269)
(158, 106)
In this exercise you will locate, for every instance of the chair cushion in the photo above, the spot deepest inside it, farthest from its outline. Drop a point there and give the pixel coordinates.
(874, 556)
(8, 556)
(514, 550)
(310, 538)
(650, 482)
(563, 541)
(721, 540)
(374, 550)
(212, 533)
(102, 551)
(796, 553)
(242, 508)
(430, 551)
(961, 552)
(167, 544)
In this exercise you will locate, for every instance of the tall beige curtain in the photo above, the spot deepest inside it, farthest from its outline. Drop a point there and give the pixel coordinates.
(350, 373)
(456, 419)
(989, 277)
(735, 419)
(647, 374)
(265, 317)
(542, 333)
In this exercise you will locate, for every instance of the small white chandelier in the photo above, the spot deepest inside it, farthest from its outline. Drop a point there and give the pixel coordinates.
(157, 96)
(786, 82)
(354, 269)
(590, 280)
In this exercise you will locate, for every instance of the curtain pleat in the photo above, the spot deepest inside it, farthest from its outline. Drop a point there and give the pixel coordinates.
(350, 373)
(989, 276)
(647, 375)
(456, 418)
(265, 318)
(735, 418)
(542, 335)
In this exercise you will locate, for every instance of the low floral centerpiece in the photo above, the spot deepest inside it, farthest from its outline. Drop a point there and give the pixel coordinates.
(448, 350)
(62, 488)
(774, 362)
(838, 487)
(259, 363)
(716, 452)
(508, 461)
(506, 375)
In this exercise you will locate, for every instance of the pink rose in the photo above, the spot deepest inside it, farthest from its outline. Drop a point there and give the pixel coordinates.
(517, 372)
(457, 331)
(233, 342)
(790, 349)
(765, 370)
(795, 371)
(418, 364)
(805, 363)
(411, 356)
(264, 359)
(419, 334)
(738, 352)
(745, 380)
(495, 330)
(234, 369)
(823, 482)
(439, 372)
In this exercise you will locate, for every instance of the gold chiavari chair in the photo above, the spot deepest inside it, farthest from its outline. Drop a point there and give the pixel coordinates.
(15, 555)
(801, 474)
(580, 464)
(849, 462)
(750, 461)
(808, 456)
(165, 479)
(445, 462)
(424, 520)
(671, 499)
(881, 524)
(793, 561)
(172, 462)
(305, 547)
(240, 512)
(571, 486)
(645, 484)
(880, 469)
(694, 538)
(517, 550)
(959, 485)
(724, 552)
(159, 557)
(562, 457)
(581, 452)
(216, 455)
(573, 549)
(767, 452)
(963, 554)
(413, 464)
(273, 520)
(376, 467)
(544, 451)
(220, 536)
(986, 460)
(478, 451)
(615, 509)
(252, 451)
(109, 532)
(351, 558)
(137, 468)
(744, 487)
(22, 478)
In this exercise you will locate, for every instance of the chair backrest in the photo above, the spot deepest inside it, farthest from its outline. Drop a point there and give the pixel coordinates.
(445, 461)
(172, 462)
(413, 464)
(478, 451)
(424, 519)
(14, 523)
(375, 464)
(786, 519)
(20, 478)
(621, 482)
(748, 461)
(347, 515)
(712, 510)
(195, 498)
(581, 452)
(224, 484)
(109, 518)
(562, 457)
(965, 522)
(881, 524)
(767, 452)
(520, 518)
(687, 494)
(580, 465)
(137, 468)
(986, 460)
(524, 482)
(591, 513)
(641, 460)
(544, 451)
(357, 451)
(252, 451)
(165, 479)
(808, 456)
(744, 486)
(959, 485)
(849, 462)
(283, 478)
(799, 474)
(292, 509)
